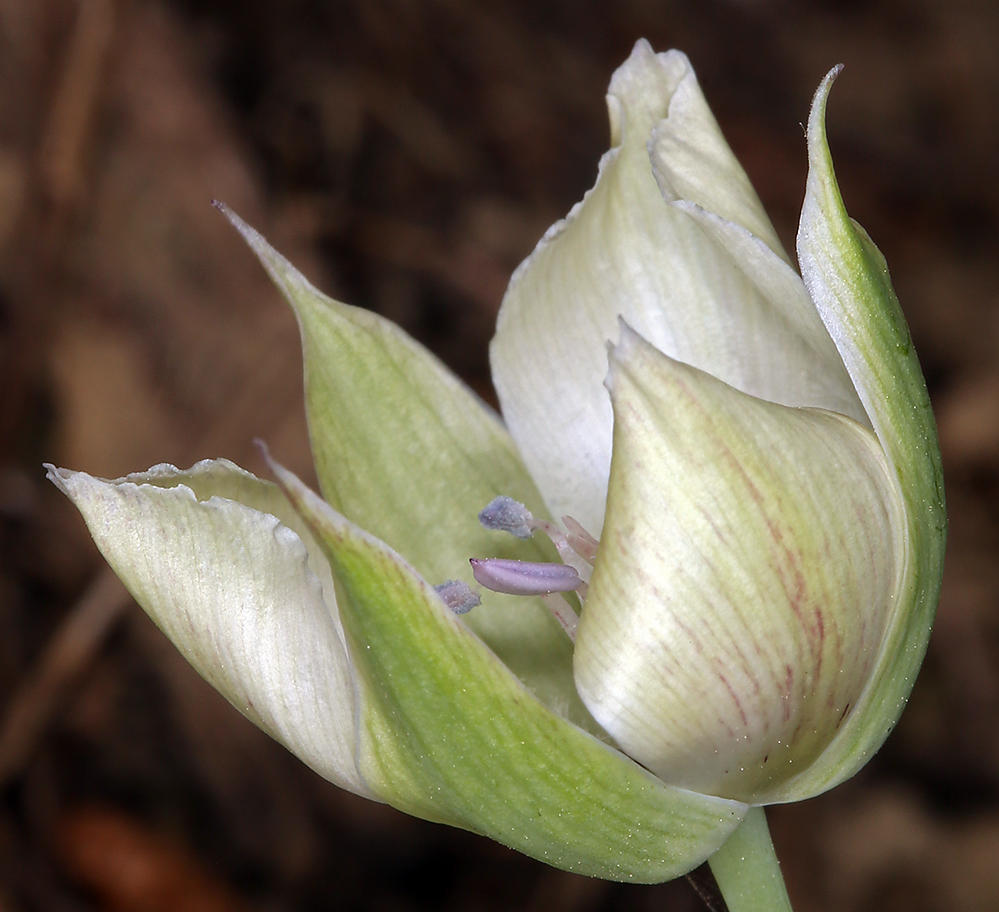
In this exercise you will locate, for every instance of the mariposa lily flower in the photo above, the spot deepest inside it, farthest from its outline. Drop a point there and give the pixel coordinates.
(751, 468)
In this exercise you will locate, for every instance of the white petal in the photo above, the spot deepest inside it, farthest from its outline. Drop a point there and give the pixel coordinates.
(802, 355)
(692, 161)
(239, 593)
(744, 581)
(626, 251)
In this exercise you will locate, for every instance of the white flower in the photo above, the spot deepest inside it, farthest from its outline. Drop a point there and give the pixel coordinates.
(756, 455)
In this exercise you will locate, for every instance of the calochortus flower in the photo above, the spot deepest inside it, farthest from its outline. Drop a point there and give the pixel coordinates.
(743, 464)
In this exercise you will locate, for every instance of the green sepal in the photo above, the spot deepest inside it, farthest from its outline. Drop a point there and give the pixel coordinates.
(847, 278)
(447, 733)
(405, 450)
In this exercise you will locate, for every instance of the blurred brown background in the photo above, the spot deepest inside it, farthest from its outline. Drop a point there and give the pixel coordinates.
(407, 154)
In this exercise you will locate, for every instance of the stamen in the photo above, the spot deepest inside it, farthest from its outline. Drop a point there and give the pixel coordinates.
(515, 577)
(458, 596)
(561, 543)
(504, 514)
(584, 544)
(563, 613)
(578, 548)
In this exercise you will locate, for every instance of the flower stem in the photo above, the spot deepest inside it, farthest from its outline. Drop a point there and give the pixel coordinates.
(747, 869)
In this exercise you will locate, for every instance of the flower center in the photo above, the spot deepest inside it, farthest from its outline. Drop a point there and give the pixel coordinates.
(576, 547)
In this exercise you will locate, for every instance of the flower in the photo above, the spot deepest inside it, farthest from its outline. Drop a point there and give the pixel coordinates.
(756, 454)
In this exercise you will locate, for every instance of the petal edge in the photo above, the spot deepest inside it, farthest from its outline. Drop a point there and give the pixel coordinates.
(230, 585)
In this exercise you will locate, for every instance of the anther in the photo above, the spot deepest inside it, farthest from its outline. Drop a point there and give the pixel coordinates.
(524, 577)
(458, 596)
(578, 548)
(504, 514)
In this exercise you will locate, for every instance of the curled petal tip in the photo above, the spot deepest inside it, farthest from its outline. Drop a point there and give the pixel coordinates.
(234, 219)
(56, 476)
(278, 471)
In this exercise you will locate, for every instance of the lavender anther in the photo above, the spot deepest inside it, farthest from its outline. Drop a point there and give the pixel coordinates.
(515, 577)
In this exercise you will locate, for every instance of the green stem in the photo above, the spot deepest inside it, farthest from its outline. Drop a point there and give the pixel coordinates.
(747, 869)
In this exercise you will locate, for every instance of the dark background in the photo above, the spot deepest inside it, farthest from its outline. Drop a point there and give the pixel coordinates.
(406, 154)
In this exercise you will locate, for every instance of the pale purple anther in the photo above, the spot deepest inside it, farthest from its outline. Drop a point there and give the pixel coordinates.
(504, 514)
(458, 596)
(515, 577)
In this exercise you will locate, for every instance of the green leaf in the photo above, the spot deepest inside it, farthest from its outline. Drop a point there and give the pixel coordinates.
(449, 734)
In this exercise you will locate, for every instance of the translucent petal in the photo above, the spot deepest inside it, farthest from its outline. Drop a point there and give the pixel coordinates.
(449, 734)
(744, 581)
(625, 250)
(804, 357)
(248, 601)
(692, 161)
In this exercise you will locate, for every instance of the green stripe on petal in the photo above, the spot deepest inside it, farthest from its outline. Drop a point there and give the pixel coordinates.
(246, 597)
(447, 733)
(848, 280)
(408, 452)
(744, 581)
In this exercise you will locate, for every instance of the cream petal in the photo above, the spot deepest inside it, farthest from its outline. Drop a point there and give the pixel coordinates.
(626, 251)
(246, 596)
(801, 357)
(744, 581)
(691, 160)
